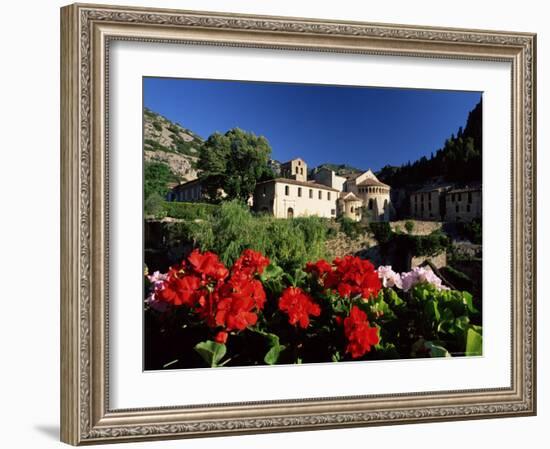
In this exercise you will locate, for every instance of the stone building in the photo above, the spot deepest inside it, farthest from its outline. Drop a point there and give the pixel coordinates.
(329, 178)
(292, 195)
(428, 203)
(463, 204)
(349, 205)
(374, 194)
(288, 198)
(188, 191)
(294, 169)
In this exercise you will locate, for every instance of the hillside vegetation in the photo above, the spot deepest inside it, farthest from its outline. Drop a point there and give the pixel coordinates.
(170, 144)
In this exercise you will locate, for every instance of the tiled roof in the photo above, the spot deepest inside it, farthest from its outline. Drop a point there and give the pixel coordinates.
(299, 183)
(349, 196)
(372, 182)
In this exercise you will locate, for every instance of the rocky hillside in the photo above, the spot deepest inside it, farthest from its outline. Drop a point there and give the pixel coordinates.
(339, 169)
(172, 144)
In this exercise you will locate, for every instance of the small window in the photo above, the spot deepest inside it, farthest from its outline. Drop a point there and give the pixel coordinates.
(320, 194)
(287, 191)
(422, 198)
(311, 193)
(460, 197)
(371, 204)
(453, 197)
(301, 171)
(328, 196)
(468, 208)
(351, 209)
(456, 209)
(333, 212)
(470, 197)
(299, 191)
(299, 162)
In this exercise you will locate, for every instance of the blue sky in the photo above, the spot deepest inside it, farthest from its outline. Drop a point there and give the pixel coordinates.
(361, 126)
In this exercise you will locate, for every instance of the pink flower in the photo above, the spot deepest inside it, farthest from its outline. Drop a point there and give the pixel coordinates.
(389, 277)
(420, 275)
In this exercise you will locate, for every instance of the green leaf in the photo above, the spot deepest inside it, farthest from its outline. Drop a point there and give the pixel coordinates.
(393, 297)
(211, 351)
(436, 350)
(273, 354)
(432, 310)
(275, 348)
(271, 272)
(467, 299)
(474, 341)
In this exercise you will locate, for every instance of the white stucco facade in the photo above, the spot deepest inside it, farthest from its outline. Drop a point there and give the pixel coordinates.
(374, 194)
(287, 198)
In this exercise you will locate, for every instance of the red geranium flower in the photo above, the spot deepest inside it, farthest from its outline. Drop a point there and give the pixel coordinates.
(359, 334)
(235, 312)
(208, 265)
(180, 290)
(221, 337)
(319, 268)
(250, 263)
(299, 306)
(354, 276)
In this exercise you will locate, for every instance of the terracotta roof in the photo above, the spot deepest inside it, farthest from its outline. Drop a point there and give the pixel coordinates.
(299, 183)
(372, 182)
(349, 196)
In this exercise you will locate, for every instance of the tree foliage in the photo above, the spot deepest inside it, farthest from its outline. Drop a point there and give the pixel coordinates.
(459, 160)
(234, 161)
(156, 177)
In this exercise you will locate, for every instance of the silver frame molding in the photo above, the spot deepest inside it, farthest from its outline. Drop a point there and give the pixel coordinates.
(86, 32)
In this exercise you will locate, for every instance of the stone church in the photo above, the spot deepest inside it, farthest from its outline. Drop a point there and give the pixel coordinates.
(328, 195)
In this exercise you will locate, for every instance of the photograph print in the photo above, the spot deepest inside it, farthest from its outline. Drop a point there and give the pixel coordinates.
(299, 223)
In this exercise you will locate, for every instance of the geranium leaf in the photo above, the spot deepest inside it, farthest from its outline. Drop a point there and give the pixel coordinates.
(436, 350)
(272, 355)
(474, 341)
(271, 272)
(211, 351)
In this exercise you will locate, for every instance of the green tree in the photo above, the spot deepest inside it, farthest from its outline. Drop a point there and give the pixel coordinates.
(156, 177)
(235, 162)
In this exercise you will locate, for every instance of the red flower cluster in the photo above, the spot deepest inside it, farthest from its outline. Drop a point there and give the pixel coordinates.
(359, 334)
(203, 284)
(250, 263)
(299, 306)
(349, 276)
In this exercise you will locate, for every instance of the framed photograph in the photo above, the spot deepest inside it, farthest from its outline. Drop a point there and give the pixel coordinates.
(280, 224)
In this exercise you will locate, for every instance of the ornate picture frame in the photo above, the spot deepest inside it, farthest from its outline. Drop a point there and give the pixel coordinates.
(87, 32)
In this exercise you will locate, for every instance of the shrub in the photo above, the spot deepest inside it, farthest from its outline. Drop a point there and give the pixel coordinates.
(409, 226)
(382, 232)
(232, 228)
(471, 230)
(157, 126)
(188, 211)
(154, 205)
(349, 227)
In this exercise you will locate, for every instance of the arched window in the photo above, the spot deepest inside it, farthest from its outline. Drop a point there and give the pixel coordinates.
(371, 204)
(290, 213)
